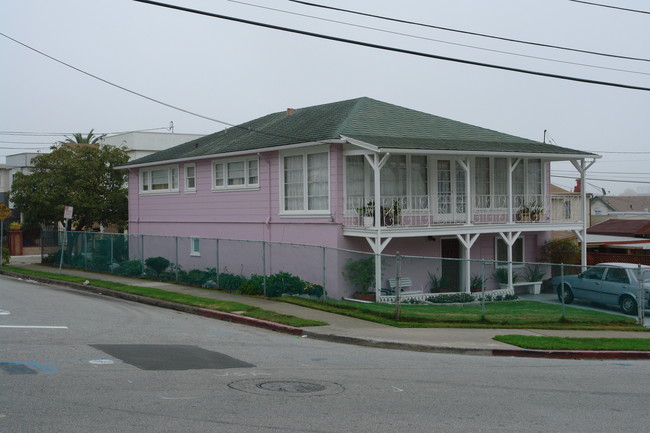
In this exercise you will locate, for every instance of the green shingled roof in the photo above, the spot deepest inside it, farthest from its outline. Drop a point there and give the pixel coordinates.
(374, 122)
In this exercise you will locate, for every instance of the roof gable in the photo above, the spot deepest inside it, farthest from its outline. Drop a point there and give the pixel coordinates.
(374, 122)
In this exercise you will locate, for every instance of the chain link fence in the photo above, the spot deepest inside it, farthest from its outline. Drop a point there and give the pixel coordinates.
(273, 269)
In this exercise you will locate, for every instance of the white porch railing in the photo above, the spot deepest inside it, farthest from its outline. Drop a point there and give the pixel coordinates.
(425, 210)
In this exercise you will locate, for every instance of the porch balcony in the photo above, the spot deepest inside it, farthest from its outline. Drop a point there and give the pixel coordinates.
(445, 209)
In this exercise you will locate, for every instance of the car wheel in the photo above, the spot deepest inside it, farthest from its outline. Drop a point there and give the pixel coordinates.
(628, 305)
(568, 294)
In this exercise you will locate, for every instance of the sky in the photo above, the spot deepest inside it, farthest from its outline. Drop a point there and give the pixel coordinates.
(234, 72)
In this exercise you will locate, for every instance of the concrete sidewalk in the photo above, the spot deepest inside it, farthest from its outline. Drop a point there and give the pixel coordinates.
(343, 329)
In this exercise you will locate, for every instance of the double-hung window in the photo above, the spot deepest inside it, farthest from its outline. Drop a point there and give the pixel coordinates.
(235, 174)
(159, 180)
(305, 182)
(517, 251)
(190, 178)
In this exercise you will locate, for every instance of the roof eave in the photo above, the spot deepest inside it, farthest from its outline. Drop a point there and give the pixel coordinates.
(230, 154)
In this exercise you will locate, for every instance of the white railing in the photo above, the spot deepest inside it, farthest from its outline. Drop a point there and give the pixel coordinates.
(441, 209)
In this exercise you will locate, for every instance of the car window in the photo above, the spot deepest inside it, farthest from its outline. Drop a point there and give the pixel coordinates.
(617, 275)
(595, 273)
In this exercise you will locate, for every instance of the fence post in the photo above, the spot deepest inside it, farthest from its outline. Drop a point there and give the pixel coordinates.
(398, 269)
(86, 250)
(324, 273)
(217, 259)
(562, 288)
(264, 267)
(482, 289)
(176, 255)
(110, 262)
(142, 250)
(640, 298)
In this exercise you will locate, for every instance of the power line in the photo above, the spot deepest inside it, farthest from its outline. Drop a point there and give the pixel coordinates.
(611, 7)
(56, 134)
(441, 41)
(243, 128)
(393, 49)
(471, 33)
(602, 180)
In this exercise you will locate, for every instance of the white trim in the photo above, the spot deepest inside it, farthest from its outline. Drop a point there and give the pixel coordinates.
(496, 251)
(170, 180)
(185, 177)
(225, 163)
(195, 252)
(281, 182)
(234, 154)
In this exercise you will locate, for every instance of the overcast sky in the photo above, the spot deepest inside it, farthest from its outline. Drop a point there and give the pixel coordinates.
(235, 72)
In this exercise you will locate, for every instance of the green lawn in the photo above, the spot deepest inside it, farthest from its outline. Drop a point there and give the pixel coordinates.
(195, 301)
(507, 314)
(564, 343)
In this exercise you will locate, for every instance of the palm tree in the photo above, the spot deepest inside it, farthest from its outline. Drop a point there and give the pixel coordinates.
(79, 138)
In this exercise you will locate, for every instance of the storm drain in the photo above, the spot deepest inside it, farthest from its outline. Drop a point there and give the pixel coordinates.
(289, 388)
(170, 357)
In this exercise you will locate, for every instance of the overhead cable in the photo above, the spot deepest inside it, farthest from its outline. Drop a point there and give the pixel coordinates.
(483, 35)
(610, 6)
(393, 49)
(442, 41)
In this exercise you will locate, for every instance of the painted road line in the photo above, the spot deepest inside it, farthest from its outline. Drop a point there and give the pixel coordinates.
(33, 327)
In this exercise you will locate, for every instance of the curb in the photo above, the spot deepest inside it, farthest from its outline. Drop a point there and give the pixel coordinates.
(395, 345)
(213, 314)
(572, 354)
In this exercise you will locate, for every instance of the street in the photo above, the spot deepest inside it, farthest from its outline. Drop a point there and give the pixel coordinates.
(77, 362)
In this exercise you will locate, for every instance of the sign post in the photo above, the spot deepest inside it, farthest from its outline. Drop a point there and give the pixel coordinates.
(4, 214)
(67, 215)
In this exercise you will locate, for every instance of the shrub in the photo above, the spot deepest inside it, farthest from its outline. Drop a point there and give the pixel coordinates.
(249, 288)
(197, 277)
(452, 298)
(437, 284)
(5, 256)
(230, 282)
(283, 282)
(157, 264)
(209, 285)
(131, 268)
(360, 273)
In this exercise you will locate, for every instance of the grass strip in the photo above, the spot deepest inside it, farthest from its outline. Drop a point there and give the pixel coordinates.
(507, 314)
(180, 298)
(571, 343)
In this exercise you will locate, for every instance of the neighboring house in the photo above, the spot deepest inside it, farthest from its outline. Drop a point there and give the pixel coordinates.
(617, 240)
(139, 144)
(360, 175)
(566, 206)
(620, 207)
(16, 163)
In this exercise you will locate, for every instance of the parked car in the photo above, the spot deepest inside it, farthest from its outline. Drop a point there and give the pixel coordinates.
(607, 283)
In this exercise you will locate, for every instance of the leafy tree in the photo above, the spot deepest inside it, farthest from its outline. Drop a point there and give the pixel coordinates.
(79, 138)
(79, 176)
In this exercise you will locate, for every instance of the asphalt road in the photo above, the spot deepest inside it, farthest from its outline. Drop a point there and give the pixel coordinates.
(75, 362)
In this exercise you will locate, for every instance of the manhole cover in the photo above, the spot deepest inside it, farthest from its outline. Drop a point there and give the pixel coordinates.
(290, 388)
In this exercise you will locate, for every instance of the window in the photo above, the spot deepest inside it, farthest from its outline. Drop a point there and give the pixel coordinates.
(617, 275)
(235, 174)
(595, 273)
(195, 247)
(305, 183)
(502, 251)
(190, 177)
(159, 180)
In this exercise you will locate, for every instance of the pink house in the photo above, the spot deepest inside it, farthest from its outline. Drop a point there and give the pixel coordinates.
(359, 175)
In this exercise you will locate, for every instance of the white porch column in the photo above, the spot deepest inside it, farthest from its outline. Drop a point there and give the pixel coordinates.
(510, 238)
(376, 243)
(582, 167)
(511, 169)
(464, 163)
(468, 241)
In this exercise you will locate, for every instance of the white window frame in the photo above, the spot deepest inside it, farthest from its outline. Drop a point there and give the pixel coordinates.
(187, 177)
(172, 180)
(305, 211)
(225, 164)
(195, 247)
(504, 263)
